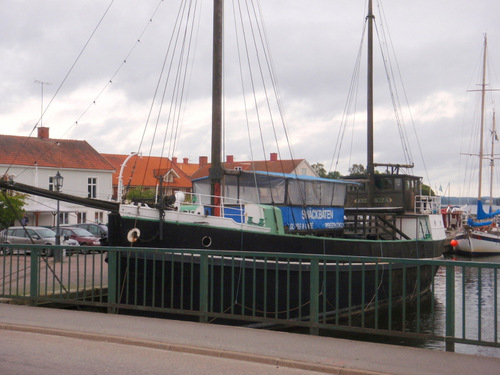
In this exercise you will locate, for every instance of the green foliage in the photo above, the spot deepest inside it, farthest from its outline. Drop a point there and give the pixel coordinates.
(319, 168)
(138, 194)
(321, 171)
(333, 175)
(11, 207)
(358, 169)
(426, 190)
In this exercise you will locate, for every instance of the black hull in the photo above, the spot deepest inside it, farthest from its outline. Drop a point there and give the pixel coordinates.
(279, 288)
(186, 236)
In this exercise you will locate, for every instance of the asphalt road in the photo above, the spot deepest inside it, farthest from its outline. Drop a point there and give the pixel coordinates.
(36, 340)
(30, 353)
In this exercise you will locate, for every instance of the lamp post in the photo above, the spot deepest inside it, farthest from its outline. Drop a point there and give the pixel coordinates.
(58, 183)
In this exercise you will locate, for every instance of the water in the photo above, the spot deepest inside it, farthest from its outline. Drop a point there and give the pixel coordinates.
(432, 317)
(475, 289)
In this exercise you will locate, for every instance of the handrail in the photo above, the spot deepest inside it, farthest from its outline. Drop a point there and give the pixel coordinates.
(109, 278)
(427, 204)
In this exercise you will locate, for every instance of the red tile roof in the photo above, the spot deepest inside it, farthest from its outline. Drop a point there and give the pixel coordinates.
(52, 153)
(144, 169)
(275, 166)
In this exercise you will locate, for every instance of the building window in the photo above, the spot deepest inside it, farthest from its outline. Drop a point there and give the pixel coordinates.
(51, 184)
(99, 216)
(63, 218)
(81, 217)
(92, 187)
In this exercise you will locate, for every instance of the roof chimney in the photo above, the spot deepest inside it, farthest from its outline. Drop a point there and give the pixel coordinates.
(185, 160)
(230, 159)
(274, 156)
(203, 160)
(43, 132)
(174, 159)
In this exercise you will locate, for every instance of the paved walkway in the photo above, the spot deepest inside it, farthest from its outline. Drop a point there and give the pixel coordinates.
(201, 348)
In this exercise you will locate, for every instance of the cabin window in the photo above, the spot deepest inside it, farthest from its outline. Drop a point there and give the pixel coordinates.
(398, 184)
(407, 184)
(92, 187)
(388, 184)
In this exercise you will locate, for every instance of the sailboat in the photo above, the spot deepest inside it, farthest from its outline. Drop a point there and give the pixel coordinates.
(219, 218)
(482, 236)
(224, 221)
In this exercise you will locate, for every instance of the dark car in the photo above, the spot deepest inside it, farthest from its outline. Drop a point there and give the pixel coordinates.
(98, 230)
(84, 237)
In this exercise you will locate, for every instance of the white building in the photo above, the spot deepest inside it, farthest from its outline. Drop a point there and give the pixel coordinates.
(35, 161)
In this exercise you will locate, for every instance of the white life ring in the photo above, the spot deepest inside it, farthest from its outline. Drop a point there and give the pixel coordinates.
(133, 235)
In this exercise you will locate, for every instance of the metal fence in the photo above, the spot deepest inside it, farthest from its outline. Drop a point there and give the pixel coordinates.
(443, 300)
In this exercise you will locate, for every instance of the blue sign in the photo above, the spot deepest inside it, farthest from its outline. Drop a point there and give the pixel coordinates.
(313, 218)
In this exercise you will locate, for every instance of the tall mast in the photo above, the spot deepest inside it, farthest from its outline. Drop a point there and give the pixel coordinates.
(370, 164)
(492, 162)
(216, 171)
(483, 92)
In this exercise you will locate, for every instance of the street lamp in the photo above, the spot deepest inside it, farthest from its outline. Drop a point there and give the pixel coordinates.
(58, 183)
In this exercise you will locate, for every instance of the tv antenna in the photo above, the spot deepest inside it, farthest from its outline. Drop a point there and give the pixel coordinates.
(41, 108)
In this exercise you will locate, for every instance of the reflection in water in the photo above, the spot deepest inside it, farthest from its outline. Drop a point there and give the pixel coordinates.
(477, 300)
(471, 318)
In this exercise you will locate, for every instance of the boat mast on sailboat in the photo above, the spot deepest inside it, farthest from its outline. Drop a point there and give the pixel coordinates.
(482, 237)
(216, 170)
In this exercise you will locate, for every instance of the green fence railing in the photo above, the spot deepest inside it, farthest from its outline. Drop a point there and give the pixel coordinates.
(452, 302)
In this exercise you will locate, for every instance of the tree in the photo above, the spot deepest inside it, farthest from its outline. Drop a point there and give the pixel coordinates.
(357, 169)
(11, 207)
(333, 175)
(319, 168)
(426, 190)
(140, 194)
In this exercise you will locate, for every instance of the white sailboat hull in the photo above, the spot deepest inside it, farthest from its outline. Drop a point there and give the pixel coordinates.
(476, 242)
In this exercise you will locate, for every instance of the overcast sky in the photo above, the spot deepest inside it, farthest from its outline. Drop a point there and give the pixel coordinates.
(313, 44)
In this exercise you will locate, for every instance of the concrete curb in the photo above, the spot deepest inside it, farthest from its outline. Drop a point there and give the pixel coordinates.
(190, 349)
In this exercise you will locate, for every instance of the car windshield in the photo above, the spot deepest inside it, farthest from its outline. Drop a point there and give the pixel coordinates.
(46, 233)
(82, 232)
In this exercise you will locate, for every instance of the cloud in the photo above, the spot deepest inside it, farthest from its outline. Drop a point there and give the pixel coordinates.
(313, 45)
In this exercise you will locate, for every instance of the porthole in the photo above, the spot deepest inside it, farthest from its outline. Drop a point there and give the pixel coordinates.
(206, 241)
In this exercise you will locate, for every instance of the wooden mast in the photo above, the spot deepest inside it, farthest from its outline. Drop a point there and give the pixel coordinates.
(216, 170)
(492, 162)
(483, 92)
(370, 164)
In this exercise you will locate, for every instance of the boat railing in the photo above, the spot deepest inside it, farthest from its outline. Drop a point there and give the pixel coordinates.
(427, 204)
(203, 204)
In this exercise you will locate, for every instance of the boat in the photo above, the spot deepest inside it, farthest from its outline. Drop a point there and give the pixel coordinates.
(452, 218)
(481, 235)
(228, 214)
(217, 217)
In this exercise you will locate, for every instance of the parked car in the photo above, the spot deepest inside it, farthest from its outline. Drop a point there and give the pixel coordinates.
(29, 235)
(84, 237)
(98, 230)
